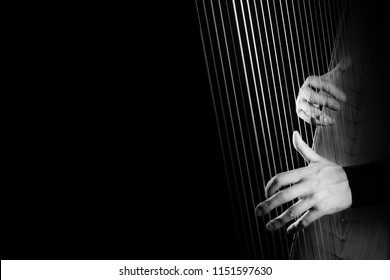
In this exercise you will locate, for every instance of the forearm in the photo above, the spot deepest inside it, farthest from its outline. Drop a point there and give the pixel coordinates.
(368, 183)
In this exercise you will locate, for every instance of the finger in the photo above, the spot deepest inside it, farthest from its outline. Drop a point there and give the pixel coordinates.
(307, 153)
(316, 116)
(280, 198)
(327, 86)
(304, 221)
(284, 179)
(291, 213)
(308, 107)
(325, 121)
(304, 116)
(318, 98)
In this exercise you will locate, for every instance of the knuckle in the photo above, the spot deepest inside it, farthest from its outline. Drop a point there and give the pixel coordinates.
(323, 80)
(309, 79)
(310, 97)
(280, 196)
(299, 98)
(266, 206)
(314, 200)
(278, 222)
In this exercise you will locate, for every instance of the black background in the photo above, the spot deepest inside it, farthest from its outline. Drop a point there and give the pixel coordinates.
(115, 151)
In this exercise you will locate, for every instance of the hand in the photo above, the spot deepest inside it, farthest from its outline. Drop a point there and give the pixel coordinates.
(322, 188)
(320, 91)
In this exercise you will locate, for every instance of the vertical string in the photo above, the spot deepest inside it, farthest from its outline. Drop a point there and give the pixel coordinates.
(289, 131)
(252, 70)
(251, 28)
(235, 141)
(228, 139)
(349, 105)
(296, 237)
(336, 49)
(356, 66)
(323, 63)
(245, 72)
(271, 107)
(300, 82)
(247, 125)
(219, 129)
(340, 45)
(330, 46)
(285, 79)
(311, 129)
(282, 93)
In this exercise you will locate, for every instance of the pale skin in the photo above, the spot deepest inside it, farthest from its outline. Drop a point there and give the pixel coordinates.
(321, 187)
(320, 91)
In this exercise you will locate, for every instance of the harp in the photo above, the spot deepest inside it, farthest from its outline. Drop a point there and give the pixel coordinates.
(258, 54)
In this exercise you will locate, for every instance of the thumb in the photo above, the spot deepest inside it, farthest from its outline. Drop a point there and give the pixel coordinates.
(305, 151)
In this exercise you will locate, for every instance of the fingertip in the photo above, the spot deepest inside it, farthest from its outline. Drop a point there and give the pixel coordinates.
(296, 137)
(328, 121)
(259, 212)
(290, 229)
(270, 226)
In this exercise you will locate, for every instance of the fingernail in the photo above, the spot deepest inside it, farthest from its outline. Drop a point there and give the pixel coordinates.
(328, 121)
(259, 212)
(269, 226)
(292, 230)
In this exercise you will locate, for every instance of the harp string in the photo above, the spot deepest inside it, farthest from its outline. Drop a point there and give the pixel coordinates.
(295, 95)
(258, 104)
(264, 103)
(253, 76)
(342, 26)
(311, 129)
(351, 107)
(330, 35)
(240, 128)
(333, 222)
(299, 82)
(290, 115)
(235, 140)
(248, 127)
(320, 72)
(276, 95)
(279, 209)
(246, 74)
(279, 76)
(219, 127)
(327, 146)
(225, 125)
(283, 93)
(342, 16)
(356, 67)
(328, 61)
